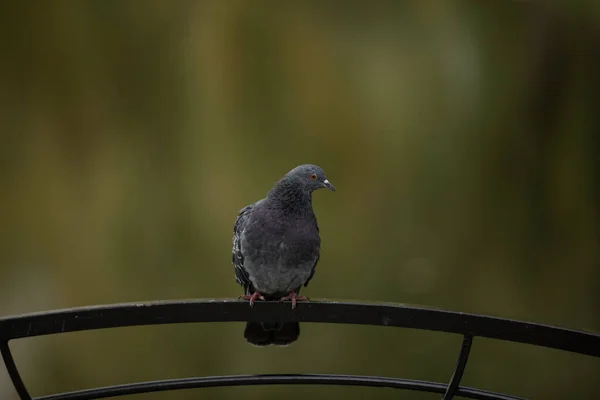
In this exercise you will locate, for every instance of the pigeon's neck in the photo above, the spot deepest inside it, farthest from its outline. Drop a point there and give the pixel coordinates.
(290, 198)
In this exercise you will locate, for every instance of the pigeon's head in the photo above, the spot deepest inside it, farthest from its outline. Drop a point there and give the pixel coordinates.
(310, 177)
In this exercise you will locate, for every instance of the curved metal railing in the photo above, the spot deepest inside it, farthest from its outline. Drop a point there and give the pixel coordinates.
(212, 310)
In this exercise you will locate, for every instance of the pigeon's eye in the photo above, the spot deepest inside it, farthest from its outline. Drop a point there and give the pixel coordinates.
(313, 177)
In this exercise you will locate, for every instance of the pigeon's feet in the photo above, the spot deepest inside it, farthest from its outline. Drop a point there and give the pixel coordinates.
(294, 298)
(252, 297)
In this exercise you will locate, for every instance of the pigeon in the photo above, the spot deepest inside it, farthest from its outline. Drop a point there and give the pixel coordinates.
(276, 247)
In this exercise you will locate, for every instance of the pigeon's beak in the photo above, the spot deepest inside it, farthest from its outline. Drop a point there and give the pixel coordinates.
(328, 185)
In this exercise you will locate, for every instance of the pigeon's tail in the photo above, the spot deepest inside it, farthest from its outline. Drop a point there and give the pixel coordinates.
(267, 333)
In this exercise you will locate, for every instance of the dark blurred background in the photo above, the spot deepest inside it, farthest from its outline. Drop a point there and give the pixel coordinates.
(462, 138)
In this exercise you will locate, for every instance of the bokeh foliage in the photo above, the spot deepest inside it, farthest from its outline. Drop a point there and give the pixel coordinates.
(462, 138)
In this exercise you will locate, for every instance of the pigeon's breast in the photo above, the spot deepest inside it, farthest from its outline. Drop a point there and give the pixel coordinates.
(282, 260)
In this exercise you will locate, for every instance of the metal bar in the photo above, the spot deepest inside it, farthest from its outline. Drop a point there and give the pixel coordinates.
(461, 364)
(397, 315)
(248, 380)
(13, 372)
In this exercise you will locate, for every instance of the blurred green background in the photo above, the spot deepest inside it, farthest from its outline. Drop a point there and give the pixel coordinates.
(462, 138)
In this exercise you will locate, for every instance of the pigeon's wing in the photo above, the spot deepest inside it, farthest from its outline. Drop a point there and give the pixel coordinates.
(241, 275)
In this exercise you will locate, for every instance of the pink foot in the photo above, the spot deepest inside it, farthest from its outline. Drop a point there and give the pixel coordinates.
(254, 296)
(292, 296)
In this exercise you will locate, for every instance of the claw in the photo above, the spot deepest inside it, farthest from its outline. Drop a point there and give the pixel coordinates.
(252, 297)
(294, 298)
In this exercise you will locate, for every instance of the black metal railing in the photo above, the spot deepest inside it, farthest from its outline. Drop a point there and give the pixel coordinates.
(394, 315)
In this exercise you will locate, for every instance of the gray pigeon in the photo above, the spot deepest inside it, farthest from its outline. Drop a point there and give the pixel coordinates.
(276, 247)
